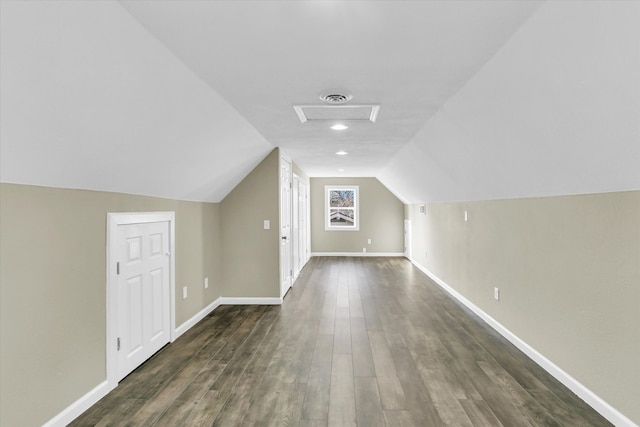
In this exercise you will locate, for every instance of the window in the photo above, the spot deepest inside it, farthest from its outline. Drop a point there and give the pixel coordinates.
(341, 207)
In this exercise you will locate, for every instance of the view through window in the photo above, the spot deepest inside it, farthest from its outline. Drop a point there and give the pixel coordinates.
(341, 207)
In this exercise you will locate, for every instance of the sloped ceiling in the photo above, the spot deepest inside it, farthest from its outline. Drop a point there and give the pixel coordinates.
(90, 100)
(180, 99)
(556, 111)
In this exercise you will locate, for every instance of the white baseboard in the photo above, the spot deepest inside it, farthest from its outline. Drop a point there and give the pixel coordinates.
(197, 317)
(355, 254)
(593, 400)
(74, 410)
(250, 301)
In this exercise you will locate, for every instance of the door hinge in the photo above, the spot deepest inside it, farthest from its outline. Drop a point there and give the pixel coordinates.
(118, 270)
(118, 344)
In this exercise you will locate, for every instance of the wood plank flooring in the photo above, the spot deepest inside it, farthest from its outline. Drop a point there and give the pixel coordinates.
(358, 342)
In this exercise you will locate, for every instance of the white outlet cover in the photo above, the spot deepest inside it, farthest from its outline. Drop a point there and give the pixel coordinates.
(369, 241)
(364, 249)
(496, 294)
(267, 224)
(206, 282)
(184, 293)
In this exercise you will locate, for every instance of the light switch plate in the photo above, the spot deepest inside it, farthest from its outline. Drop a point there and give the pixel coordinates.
(267, 224)
(184, 293)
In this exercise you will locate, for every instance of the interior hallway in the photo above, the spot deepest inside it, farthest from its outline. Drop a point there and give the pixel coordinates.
(358, 341)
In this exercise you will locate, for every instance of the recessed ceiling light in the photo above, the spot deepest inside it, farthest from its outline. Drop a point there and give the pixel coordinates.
(341, 153)
(339, 126)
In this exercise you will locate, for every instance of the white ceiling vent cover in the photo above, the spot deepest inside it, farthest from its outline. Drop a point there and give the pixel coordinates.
(325, 113)
(336, 97)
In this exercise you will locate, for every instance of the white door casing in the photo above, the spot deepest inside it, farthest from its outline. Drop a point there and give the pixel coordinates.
(140, 289)
(285, 224)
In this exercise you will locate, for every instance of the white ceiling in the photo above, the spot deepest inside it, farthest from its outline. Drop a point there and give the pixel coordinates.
(180, 99)
(263, 57)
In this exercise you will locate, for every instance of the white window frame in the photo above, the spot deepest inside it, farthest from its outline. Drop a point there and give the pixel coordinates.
(356, 208)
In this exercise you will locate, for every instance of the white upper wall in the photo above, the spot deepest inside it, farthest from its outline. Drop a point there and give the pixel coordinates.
(90, 100)
(556, 111)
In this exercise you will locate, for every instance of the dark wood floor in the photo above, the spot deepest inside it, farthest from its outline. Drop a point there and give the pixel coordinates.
(358, 341)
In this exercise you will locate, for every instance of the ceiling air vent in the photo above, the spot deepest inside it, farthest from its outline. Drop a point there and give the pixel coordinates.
(336, 113)
(335, 98)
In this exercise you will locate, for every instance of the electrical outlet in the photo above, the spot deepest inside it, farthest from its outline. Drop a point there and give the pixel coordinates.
(184, 293)
(206, 282)
(266, 224)
(364, 249)
(369, 241)
(496, 294)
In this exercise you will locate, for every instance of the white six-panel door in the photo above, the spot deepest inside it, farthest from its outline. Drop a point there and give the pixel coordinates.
(407, 239)
(303, 214)
(285, 226)
(299, 225)
(143, 293)
(295, 229)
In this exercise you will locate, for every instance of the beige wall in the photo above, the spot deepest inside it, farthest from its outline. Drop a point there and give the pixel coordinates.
(52, 282)
(250, 253)
(568, 269)
(381, 219)
(53, 296)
